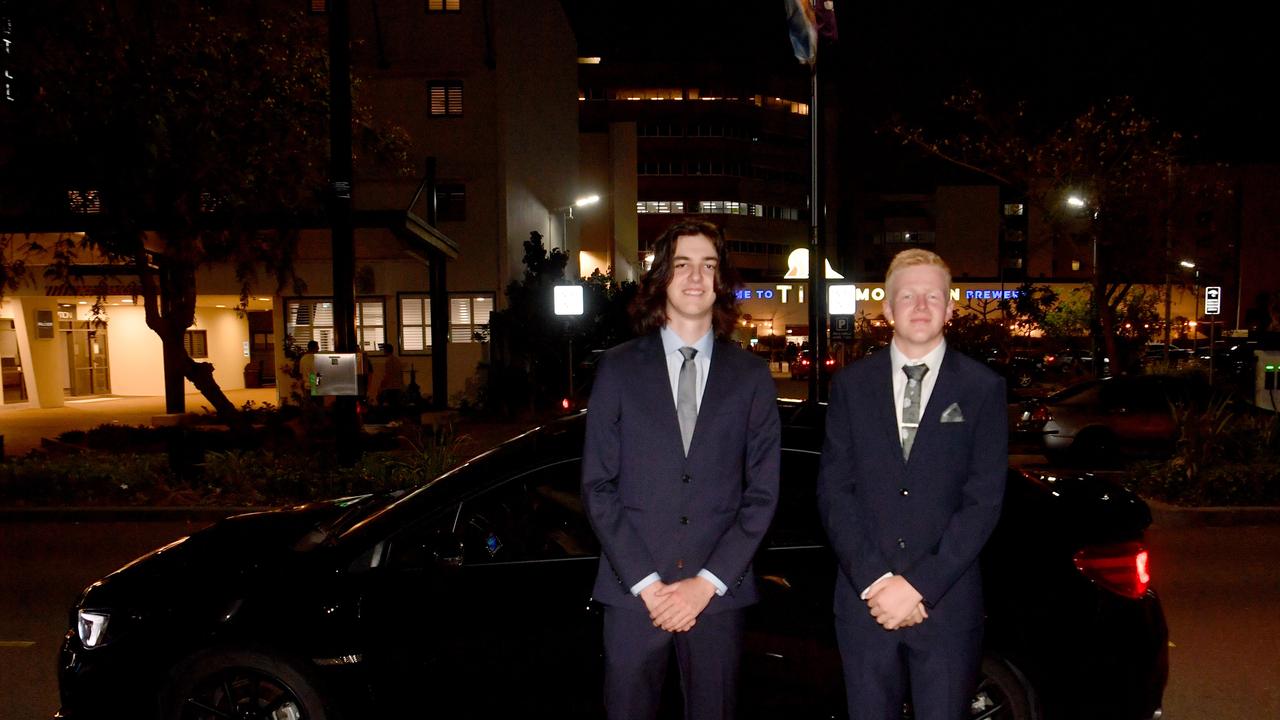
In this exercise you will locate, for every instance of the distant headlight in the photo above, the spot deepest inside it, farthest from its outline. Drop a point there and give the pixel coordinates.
(92, 628)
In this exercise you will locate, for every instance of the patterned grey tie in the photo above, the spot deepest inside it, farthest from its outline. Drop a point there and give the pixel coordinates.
(911, 405)
(687, 396)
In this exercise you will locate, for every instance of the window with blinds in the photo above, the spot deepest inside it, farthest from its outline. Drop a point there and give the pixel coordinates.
(469, 316)
(307, 320)
(446, 98)
(415, 323)
(444, 6)
(196, 343)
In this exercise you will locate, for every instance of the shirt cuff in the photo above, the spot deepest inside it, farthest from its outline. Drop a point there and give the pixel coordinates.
(645, 582)
(710, 577)
(863, 596)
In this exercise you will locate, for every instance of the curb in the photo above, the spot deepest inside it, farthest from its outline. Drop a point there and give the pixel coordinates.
(122, 514)
(1165, 515)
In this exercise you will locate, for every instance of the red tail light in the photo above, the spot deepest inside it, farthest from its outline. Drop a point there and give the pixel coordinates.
(1041, 414)
(830, 362)
(1120, 568)
(565, 404)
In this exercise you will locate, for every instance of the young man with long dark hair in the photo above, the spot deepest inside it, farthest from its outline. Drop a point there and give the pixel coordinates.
(680, 481)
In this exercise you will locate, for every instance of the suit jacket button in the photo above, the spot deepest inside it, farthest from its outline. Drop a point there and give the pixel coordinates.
(905, 492)
(684, 520)
(902, 543)
(686, 478)
(680, 564)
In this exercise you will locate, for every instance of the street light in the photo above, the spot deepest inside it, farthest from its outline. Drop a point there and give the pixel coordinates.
(566, 214)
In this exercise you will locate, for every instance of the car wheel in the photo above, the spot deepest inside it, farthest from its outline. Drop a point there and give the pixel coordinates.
(1024, 378)
(1002, 694)
(242, 684)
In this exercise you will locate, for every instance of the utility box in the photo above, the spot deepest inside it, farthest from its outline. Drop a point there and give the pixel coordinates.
(336, 374)
(1267, 379)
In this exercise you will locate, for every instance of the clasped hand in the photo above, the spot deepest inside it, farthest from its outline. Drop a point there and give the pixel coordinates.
(675, 607)
(895, 604)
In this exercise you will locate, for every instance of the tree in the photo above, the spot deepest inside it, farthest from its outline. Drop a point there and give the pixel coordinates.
(532, 345)
(201, 128)
(1030, 306)
(1118, 164)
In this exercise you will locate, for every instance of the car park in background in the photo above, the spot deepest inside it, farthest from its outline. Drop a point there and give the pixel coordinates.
(1113, 418)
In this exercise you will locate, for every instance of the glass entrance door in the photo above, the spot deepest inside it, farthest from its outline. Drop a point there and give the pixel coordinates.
(87, 359)
(11, 378)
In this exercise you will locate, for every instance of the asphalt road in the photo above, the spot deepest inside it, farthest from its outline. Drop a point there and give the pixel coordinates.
(1220, 587)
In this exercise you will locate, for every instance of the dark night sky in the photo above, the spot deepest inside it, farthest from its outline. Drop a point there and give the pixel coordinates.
(1209, 73)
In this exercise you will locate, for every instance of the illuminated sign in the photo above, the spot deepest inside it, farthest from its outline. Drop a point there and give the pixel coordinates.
(789, 293)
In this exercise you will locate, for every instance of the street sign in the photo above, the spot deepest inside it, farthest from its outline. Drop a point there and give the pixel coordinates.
(1212, 300)
(841, 327)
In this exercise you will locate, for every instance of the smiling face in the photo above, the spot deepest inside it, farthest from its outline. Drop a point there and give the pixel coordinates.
(918, 304)
(691, 293)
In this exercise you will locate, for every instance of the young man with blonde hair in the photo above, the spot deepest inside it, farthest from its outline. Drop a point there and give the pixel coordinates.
(909, 490)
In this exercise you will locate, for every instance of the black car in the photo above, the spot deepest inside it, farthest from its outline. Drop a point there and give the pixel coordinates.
(470, 596)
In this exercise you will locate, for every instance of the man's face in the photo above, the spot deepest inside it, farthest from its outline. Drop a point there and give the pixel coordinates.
(692, 290)
(918, 306)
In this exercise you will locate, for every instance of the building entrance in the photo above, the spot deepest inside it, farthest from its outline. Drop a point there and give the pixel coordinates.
(87, 366)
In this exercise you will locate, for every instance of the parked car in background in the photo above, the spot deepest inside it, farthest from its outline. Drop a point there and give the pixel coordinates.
(1154, 353)
(471, 597)
(1103, 420)
(1020, 367)
(802, 366)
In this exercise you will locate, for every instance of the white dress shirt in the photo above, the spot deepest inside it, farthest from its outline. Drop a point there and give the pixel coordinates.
(671, 344)
(897, 359)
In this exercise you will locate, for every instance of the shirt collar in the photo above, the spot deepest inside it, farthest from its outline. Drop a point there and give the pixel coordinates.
(933, 358)
(671, 342)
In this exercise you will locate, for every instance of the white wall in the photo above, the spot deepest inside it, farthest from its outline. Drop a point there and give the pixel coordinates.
(136, 356)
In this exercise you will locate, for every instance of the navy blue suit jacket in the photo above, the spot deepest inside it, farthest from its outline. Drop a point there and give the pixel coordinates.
(928, 518)
(655, 510)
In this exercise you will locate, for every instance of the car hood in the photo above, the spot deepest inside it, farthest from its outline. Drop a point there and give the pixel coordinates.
(218, 559)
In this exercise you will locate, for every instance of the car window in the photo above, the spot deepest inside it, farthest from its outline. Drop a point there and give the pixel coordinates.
(796, 520)
(537, 515)
(1082, 394)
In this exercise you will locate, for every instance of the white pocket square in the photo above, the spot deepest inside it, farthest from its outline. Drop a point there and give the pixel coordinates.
(952, 414)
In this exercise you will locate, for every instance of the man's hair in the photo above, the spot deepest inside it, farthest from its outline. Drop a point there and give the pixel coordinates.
(912, 258)
(649, 310)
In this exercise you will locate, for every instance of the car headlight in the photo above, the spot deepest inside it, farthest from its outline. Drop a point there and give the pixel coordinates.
(91, 626)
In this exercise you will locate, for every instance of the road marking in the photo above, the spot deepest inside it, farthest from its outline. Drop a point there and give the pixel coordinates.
(16, 643)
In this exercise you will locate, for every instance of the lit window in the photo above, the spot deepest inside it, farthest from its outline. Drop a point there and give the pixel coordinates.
(588, 61)
(84, 202)
(446, 98)
(444, 6)
(469, 318)
(371, 325)
(1014, 209)
(415, 323)
(196, 343)
(661, 207)
(1075, 265)
(307, 320)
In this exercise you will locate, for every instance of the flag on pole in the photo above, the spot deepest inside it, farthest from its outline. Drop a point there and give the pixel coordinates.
(803, 28)
(807, 22)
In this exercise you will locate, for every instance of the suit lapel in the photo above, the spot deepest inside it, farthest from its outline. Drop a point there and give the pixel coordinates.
(886, 413)
(655, 375)
(945, 392)
(713, 395)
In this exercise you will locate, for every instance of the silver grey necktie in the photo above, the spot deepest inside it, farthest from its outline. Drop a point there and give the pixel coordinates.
(911, 405)
(687, 396)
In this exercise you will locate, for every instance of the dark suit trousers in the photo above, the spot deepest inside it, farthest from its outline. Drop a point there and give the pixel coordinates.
(636, 656)
(942, 669)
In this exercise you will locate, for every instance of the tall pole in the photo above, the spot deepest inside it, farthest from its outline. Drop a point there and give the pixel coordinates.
(817, 250)
(341, 234)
